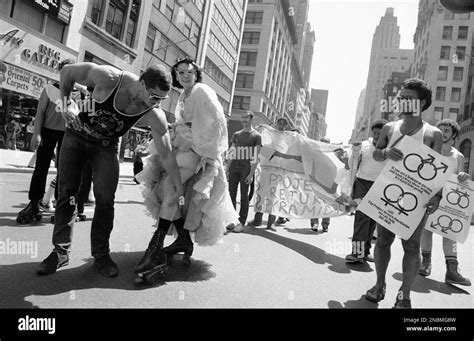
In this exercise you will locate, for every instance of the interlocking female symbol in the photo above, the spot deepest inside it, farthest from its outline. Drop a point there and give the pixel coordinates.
(447, 223)
(456, 197)
(405, 201)
(415, 163)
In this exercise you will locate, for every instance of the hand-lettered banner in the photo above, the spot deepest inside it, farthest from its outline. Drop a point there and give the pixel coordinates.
(398, 197)
(300, 177)
(453, 216)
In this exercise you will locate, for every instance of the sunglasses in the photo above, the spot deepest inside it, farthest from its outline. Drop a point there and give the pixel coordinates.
(155, 97)
(186, 72)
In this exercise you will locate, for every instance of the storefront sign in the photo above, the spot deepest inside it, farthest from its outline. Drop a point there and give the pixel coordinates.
(57, 8)
(23, 81)
(30, 51)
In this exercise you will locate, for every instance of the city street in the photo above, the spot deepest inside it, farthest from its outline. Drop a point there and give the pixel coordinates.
(291, 268)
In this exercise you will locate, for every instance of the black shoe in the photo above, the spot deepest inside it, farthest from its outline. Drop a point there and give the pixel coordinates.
(253, 223)
(106, 266)
(52, 263)
(404, 303)
(280, 221)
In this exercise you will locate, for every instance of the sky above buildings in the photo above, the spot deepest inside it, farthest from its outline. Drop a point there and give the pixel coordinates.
(344, 31)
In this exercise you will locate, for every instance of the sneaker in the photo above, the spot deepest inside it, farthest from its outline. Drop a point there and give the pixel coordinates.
(252, 223)
(238, 228)
(106, 266)
(354, 258)
(53, 262)
(281, 221)
(46, 207)
(314, 227)
(271, 227)
(402, 304)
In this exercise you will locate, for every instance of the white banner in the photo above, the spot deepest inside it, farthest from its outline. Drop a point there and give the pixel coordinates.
(453, 217)
(397, 198)
(300, 177)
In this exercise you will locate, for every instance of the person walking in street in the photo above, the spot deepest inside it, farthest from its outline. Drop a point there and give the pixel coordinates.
(366, 173)
(48, 133)
(411, 124)
(119, 100)
(450, 130)
(245, 144)
(30, 129)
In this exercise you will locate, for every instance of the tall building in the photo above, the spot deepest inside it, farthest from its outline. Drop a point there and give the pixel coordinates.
(361, 120)
(385, 58)
(299, 10)
(320, 99)
(264, 74)
(308, 54)
(318, 105)
(390, 91)
(442, 49)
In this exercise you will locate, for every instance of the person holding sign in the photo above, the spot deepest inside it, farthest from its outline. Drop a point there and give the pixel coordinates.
(415, 93)
(450, 130)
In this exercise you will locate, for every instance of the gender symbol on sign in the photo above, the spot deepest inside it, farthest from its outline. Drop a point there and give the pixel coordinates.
(456, 197)
(415, 163)
(405, 201)
(447, 223)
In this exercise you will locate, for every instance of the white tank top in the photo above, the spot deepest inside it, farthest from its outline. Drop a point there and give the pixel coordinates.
(369, 169)
(396, 133)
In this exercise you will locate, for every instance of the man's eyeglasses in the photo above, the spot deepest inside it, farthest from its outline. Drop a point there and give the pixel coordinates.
(155, 97)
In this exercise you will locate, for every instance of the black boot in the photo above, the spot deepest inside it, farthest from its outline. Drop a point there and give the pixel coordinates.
(154, 255)
(452, 274)
(425, 268)
(29, 213)
(183, 243)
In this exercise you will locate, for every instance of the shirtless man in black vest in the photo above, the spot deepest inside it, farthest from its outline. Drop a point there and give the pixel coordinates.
(120, 99)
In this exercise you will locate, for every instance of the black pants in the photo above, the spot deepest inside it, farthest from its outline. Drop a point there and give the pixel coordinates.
(43, 161)
(84, 188)
(364, 226)
(237, 175)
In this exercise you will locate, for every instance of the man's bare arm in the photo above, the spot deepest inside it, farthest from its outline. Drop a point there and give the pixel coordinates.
(382, 143)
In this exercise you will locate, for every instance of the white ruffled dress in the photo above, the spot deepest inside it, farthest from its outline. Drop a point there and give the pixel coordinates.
(199, 139)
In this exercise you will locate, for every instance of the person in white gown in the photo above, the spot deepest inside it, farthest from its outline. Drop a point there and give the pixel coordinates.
(199, 139)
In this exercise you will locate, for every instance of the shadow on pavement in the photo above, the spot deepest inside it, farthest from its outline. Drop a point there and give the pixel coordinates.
(18, 281)
(311, 252)
(426, 285)
(304, 231)
(361, 303)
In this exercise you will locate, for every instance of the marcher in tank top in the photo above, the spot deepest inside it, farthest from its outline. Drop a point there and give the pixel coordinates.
(418, 93)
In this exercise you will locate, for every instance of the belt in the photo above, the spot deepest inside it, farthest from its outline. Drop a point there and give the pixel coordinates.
(104, 141)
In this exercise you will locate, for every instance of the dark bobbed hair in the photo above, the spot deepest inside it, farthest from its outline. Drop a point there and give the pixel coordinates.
(378, 124)
(157, 76)
(453, 124)
(422, 89)
(249, 113)
(189, 61)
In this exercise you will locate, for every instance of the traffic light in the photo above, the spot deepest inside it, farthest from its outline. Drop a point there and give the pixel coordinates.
(458, 6)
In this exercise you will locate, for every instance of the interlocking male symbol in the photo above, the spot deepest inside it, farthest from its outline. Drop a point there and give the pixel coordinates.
(448, 224)
(414, 163)
(456, 197)
(405, 201)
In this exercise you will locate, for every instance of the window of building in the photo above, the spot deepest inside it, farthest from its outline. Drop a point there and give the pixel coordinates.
(448, 15)
(464, 16)
(457, 75)
(169, 9)
(45, 23)
(217, 75)
(455, 94)
(448, 32)
(132, 23)
(443, 73)
(465, 149)
(241, 103)
(438, 113)
(251, 38)
(440, 93)
(461, 52)
(254, 17)
(150, 38)
(445, 51)
(248, 58)
(244, 80)
(96, 12)
(462, 33)
(115, 18)
(221, 51)
(453, 114)
(224, 27)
